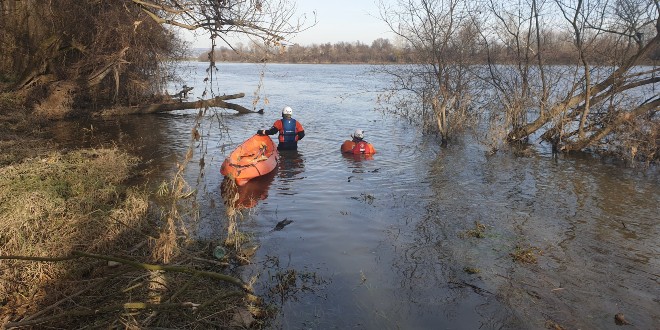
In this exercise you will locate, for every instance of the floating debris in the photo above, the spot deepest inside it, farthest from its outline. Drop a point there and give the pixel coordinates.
(472, 270)
(550, 324)
(478, 231)
(368, 198)
(527, 255)
(219, 252)
(280, 225)
(620, 319)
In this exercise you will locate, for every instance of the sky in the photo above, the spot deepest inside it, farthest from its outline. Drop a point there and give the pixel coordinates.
(337, 20)
(342, 20)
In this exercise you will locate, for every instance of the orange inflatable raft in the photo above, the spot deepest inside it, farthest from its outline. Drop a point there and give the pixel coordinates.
(255, 157)
(359, 148)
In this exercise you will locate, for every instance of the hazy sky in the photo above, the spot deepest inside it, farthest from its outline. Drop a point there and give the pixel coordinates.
(342, 20)
(338, 20)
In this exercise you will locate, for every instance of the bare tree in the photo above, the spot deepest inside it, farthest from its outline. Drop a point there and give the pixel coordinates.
(86, 54)
(577, 15)
(434, 90)
(592, 107)
(267, 21)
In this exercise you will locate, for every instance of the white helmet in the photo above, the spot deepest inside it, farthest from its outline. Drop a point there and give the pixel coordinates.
(358, 134)
(287, 111)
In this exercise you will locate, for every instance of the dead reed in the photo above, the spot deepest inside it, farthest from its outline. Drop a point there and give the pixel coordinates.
(75, 252)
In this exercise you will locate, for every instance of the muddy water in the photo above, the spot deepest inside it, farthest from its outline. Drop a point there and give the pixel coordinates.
(384, 243)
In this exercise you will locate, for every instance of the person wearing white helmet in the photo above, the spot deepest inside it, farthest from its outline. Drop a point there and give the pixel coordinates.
(291, 130)
(358, 145)
(358, 135)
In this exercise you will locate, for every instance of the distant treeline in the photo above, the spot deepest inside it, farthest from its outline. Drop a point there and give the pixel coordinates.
(382, 51)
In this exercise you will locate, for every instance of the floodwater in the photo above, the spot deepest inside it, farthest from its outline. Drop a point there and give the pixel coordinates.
(385, 242)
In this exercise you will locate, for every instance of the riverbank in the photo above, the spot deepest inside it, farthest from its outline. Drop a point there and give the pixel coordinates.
(81, 244)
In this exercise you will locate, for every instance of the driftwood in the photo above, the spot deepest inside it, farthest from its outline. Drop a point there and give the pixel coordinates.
(218, 101)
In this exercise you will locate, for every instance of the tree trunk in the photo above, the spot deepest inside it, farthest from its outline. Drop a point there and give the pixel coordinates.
(601, 133)
(576, 101)
(218, 101)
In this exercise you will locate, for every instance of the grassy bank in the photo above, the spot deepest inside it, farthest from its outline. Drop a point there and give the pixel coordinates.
(52, 205)
(77, 247)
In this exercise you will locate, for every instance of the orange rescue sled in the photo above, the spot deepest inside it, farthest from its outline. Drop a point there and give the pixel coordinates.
(255, 157)
(362, 147)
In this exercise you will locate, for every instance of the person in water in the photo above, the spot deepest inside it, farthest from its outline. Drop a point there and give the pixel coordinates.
(358, 145)
(290, 130)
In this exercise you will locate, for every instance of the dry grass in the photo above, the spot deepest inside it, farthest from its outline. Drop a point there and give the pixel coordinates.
(50, 206)
(234, 209)
(80, 249)
(56, 205)
(39, 197)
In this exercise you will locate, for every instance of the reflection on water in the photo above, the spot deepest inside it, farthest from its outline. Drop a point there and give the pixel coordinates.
(592, 224)
(290, 168)
(248, 195)
(385, 234)
(357, 158)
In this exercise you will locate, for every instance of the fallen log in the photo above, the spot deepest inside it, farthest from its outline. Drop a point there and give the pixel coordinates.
(218, 102)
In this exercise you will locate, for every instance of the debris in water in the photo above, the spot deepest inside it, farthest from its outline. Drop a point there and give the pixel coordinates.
(248, 250)
(219, 252)
(550, 324)
(527, 255)
(478, 231)
(280, 225)
(471, 270)
(620, 319)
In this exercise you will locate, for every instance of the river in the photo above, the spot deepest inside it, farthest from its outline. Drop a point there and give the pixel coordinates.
(389, 242)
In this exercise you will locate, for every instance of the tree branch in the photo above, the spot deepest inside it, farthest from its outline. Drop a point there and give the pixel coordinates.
(616, 77)
(139, 265)
(583, 143)
(218, 101)
(107, 309)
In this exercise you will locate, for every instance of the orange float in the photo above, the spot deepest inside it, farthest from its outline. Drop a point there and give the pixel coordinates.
(255, 157)
(359, 148)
